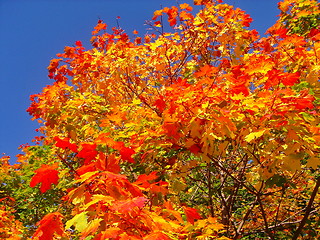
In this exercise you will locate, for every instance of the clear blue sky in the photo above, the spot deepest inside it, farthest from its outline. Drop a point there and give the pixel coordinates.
(33, 31)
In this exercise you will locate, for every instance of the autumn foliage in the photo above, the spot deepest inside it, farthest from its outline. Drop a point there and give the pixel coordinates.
(203, 131)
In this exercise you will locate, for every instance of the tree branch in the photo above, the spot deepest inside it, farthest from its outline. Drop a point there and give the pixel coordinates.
(308, 210)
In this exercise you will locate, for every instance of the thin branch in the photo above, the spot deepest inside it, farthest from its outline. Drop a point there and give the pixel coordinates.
(308, 210)
(267, 230)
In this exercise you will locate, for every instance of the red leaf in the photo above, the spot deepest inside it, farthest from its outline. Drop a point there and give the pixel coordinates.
(195, 148)
(160, 104)
(314, 32)
(282, 32)
(88, 152)
(246, 20)
(78, 43)
(128, 205)
(145, 178)
(191, 214)
(126, 154)
(65, 144)
(48, 226)
(289, 79)
(171, 129)
(46, 175)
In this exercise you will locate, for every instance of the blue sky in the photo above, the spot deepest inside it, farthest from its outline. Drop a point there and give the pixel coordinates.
(33, 31)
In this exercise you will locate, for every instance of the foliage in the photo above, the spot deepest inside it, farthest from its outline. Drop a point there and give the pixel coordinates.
(207, 131)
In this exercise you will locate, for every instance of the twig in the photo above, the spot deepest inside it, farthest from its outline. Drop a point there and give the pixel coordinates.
(308, 210)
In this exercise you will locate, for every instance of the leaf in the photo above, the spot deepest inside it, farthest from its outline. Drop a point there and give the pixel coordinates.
(107, 200)
(91, 227)
(157, 236)
(128, 205)
(46, 175)
(171, 129)
(143, 178)
(100, 26)
(50, 225)
(191, 214)
(160, 104)
(185, 6)
(65, 144)
(254, 135)
(126, 154)
(88, 152)
(313, 162)
(79, 221)
(289, 79)
(207, 71)
(111, 232)
(292, 162)
(86, 168)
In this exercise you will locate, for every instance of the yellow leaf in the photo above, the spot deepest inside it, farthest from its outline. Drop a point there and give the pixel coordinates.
(254, 135)
(79, 221)
(136, 101)
(92, 227)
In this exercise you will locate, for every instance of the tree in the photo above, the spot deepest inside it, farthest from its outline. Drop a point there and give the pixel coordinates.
(207, 131)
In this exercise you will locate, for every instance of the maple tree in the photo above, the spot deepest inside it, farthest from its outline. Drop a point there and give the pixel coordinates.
(206, 131)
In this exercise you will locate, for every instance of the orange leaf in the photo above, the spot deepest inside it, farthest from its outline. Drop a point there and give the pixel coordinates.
(156, 236)
(86, 168)
(46, 175)
(186, 6)
(100, 26)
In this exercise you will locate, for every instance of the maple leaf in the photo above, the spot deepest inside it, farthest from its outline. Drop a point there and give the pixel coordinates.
(86, 168)
(171, 129)
(126, 154)
(128, 205)
(50, 225)
(65, 144)
(191, 214)
(254, 135)
(88, 152)
(207, 71)
(160, 104)
(185, 6)
(156, 236)
(46, 175)
(246, 20)
(109, 163)
(111, 232)
(289, 79)
(146, 177)
(100, 26)
(79, 221)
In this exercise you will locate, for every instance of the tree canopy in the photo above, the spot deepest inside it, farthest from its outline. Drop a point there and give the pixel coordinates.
(200, 130)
